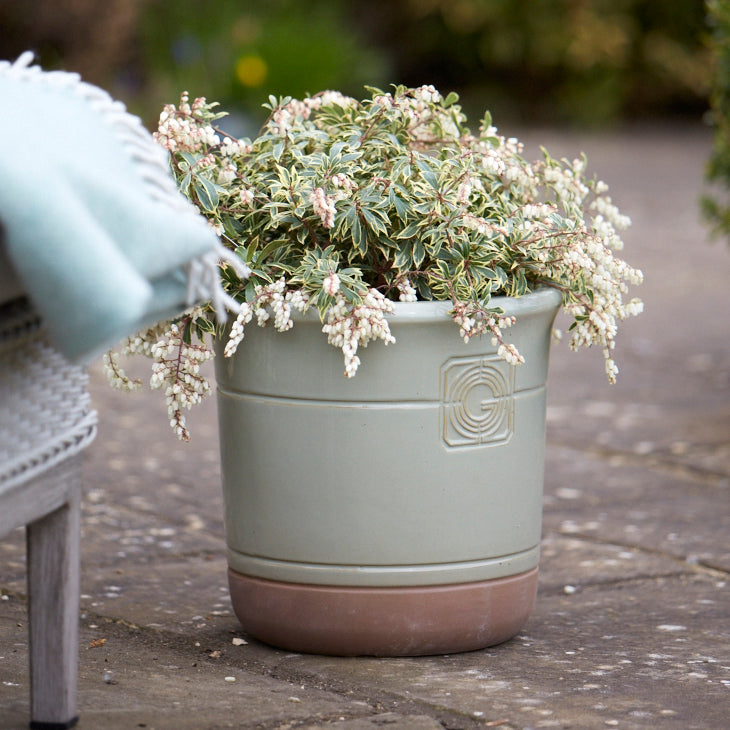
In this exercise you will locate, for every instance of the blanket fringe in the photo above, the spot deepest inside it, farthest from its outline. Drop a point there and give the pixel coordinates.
(204, 281)
(152, 162)
(153, 166)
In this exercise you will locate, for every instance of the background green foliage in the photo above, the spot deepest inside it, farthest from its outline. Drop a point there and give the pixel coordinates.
(583, 61)
(589, 61)
(717, 208)
(244, 51)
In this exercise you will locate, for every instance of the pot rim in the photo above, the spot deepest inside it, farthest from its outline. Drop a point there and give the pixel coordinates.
(423, 312)
(538, 300)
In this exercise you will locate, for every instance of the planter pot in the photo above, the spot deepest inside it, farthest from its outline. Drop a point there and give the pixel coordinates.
(394, 513)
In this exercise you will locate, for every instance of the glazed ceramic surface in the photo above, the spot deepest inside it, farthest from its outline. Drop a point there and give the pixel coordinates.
(426, 468)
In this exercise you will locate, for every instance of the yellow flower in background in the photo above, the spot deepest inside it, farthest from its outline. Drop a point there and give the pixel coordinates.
(251, 70)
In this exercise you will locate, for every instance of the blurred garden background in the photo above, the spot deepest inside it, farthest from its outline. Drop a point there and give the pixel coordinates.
(581, 62)
(589, 64)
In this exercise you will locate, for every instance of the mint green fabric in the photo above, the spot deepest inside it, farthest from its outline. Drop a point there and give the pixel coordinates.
(93, 224)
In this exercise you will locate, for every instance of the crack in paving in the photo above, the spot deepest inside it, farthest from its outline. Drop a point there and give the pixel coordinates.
(608, 582)
(375, 702)
(656, 461)
(689, 565)
(395, 702)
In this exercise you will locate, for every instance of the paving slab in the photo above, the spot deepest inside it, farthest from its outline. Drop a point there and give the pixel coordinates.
(632, 624)
(590, 659)
(616, 500)
(136, 679)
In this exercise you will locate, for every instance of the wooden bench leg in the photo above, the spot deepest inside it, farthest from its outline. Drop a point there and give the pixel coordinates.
(53, 544)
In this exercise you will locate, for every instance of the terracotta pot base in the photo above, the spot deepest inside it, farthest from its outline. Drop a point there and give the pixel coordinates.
(373, 621)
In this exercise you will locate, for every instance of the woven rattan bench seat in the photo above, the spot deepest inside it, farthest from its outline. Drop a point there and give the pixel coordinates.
(45, 416)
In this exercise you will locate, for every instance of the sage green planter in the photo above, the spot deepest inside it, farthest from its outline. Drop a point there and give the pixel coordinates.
(394, 513)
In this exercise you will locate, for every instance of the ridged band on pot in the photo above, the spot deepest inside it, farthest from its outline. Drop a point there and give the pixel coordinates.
(424, 469)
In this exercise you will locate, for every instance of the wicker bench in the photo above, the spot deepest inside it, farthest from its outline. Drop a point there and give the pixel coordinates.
(45, 422)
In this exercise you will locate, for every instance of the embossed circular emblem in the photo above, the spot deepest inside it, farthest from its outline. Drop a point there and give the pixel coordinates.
(477, 403)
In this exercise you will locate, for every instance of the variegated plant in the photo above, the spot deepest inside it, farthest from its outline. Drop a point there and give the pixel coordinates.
(348, 205)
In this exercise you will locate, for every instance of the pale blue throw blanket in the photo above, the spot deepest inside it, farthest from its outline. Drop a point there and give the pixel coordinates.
(95, 229)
